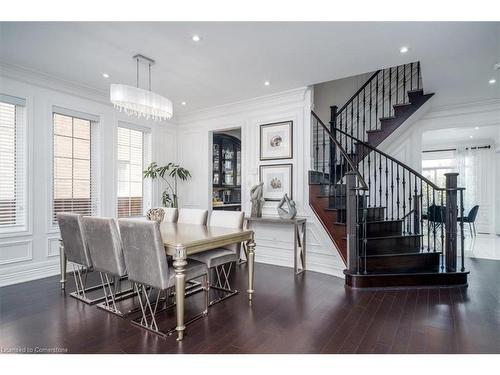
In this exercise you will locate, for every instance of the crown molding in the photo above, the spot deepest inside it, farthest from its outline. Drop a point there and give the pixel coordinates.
(47, 81)
(259, 103)
(482, 106)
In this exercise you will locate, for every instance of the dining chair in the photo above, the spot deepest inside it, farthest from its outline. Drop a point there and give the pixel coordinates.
(77, 252)
(221, 259)
(471, 220)
(105, 247)
(148, 268)
(192, 216)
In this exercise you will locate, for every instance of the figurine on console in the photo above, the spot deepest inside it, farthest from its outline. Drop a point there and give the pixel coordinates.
(257, 200)
(286, 208)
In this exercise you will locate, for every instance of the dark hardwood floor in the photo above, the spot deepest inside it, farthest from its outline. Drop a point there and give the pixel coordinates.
(313, 313)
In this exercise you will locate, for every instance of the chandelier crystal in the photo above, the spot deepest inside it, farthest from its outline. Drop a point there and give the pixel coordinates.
(138, 102)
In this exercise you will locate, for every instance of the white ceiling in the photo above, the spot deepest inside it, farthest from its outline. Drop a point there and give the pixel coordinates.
(452, 137)
(233, 60)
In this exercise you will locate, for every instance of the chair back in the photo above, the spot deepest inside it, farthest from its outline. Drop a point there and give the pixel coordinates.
(192, 216)
(171, 215)
(436, 213)
(473, 214)
(105, 246)
(144, 252)
(73, 238)
(228, 219)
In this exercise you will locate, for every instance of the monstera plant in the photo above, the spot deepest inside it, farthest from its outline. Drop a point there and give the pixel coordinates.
(169, 174)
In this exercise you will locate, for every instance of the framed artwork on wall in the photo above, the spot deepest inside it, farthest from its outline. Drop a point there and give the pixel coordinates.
(277, 179)
(276, 141)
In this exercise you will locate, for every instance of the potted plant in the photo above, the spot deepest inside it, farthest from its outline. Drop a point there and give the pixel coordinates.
(170, 171)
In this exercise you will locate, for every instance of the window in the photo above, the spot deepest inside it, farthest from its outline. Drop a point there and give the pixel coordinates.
(436, 164)
(12, 165)
(74, 165)
(132, 157)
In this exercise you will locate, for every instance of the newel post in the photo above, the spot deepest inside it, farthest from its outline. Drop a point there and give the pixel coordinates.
(451, 222)
(351, 221)
(332, 150)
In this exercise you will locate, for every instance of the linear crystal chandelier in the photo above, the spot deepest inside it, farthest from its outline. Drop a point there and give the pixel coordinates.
(138, 102)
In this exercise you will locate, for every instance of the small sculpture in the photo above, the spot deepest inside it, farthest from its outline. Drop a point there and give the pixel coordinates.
(155, 214)
(289, 212)
(257, 200)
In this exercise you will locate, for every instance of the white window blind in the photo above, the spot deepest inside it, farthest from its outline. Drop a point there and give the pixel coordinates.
(12, 164)
(75, 166)
(132, 156)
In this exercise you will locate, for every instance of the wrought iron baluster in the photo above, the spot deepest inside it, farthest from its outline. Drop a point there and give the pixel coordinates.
(462, 236)
(411, 76)
(364, 114)
(317, 146)
(375, 180)
(370, 114)
(383, 96)
(397, 191)
(390, 92)
(392, 189)
(324, 158)
(409, 203)
(380, 180)
(418, 76)
(386, 190)
(421, 215)
(397, 85)
(442, 229)
(404, 193)
(404, 81)
(435, 218)
(369, 181)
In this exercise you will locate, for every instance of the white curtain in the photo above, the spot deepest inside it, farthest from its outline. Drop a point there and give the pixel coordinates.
(476, 170)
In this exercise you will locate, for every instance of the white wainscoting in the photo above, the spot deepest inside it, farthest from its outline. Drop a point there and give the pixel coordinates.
(16, 251)
(35, 254)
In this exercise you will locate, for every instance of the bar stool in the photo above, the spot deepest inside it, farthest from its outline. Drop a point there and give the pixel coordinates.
(192, 216)
(147, 267)
(221, 259)
(105, 247)
(77, 252)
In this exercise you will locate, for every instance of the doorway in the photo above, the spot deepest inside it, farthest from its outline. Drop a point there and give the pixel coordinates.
(226, 170)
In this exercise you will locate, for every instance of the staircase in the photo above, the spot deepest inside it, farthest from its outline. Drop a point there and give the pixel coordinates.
(391, 226)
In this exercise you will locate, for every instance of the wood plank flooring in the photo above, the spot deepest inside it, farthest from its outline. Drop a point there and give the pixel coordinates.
(313, 313)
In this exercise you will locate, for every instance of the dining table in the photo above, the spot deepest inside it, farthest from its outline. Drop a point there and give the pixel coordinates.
(182, 240)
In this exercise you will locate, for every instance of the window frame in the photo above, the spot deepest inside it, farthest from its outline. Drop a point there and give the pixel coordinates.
(95, 165)
(24, 138)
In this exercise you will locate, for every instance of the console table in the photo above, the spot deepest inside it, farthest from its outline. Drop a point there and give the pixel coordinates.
(299, 237)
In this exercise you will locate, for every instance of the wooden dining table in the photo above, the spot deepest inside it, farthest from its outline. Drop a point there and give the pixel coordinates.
(182, 240)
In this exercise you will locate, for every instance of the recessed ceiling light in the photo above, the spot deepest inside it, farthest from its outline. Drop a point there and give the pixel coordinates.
(492, 81)
(470, 136)
(267, 83)
(476, 128)
(196, 38)
(105, 75)
(403, 49)
(183, 103)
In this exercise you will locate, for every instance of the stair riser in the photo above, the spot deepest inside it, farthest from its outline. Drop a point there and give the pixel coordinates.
(400, 264)
(373, 214)
(339, 201)
(385, 228)
(398, 245)
(409, 280)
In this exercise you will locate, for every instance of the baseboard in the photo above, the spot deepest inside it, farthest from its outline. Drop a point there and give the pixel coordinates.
(22, 274)
(313, 262)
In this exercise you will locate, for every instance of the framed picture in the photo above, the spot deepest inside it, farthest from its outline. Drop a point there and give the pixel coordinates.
(276, 141)
(277, 179)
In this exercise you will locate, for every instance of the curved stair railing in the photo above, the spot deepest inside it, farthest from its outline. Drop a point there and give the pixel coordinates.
(376, 99)
(366, 185)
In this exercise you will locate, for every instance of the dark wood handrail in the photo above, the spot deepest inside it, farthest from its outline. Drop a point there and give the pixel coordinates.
(357, 92)
(434, 186)
(353, 165)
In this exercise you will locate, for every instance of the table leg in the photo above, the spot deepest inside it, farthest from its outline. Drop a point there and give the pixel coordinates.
(304, 231)
(180, 289)
(296, 238)
(250, 260)
(62, 264)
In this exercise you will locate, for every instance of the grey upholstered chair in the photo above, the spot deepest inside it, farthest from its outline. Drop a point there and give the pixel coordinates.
(192, 216)
(77, 252)
(222, 259)
(105, 247)
(147, 266)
